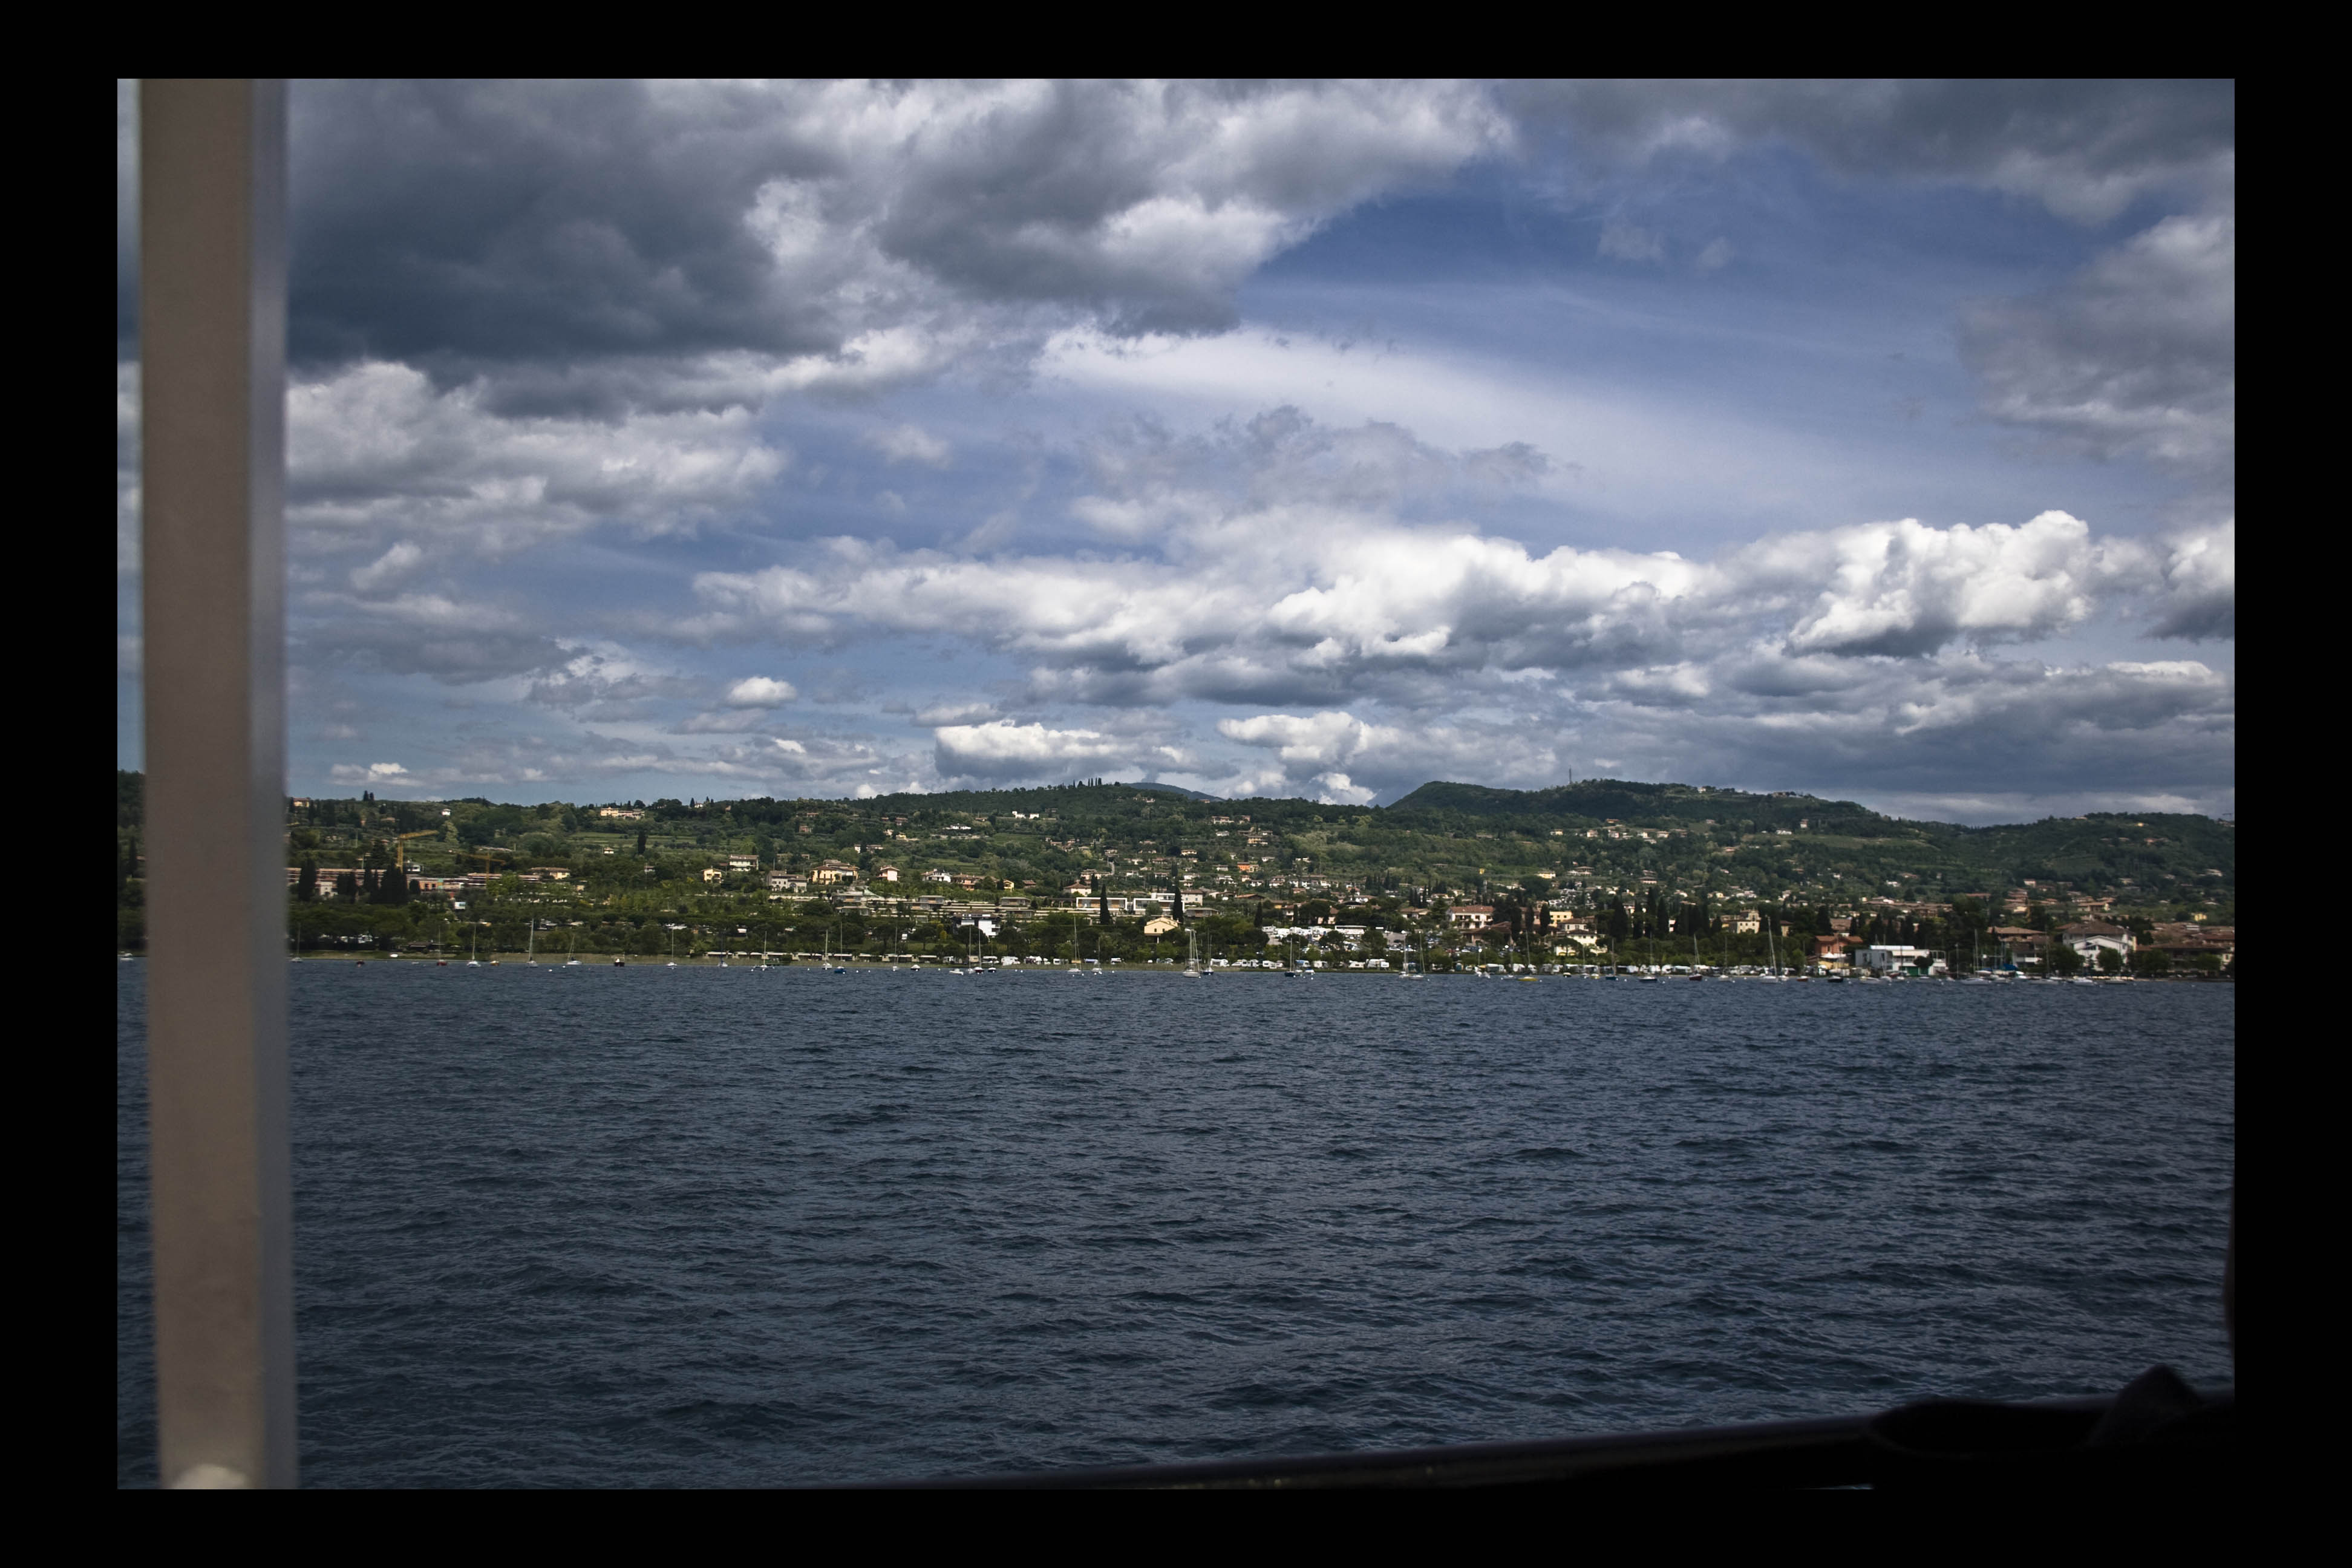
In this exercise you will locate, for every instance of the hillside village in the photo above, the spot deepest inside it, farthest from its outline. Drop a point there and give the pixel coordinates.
(1598, 872)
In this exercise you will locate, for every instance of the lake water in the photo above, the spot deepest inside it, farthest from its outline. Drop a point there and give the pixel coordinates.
(602, 1227)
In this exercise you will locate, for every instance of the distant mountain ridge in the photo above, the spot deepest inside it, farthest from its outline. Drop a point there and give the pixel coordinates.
(1172, 789)
(2183, 843)
(1627, 799)
(1621, 798)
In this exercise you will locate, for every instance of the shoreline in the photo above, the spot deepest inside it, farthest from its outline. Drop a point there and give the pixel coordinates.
(605, 961)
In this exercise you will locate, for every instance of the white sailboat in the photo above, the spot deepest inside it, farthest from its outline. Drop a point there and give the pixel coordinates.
(1192, 956)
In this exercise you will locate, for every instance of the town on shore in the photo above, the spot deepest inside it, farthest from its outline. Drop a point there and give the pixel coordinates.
(1603, 873)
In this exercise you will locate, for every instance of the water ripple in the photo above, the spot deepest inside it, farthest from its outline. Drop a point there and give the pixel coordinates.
(646, 1227)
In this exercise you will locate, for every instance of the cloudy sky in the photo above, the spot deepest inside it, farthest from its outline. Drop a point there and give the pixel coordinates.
(1872, 440)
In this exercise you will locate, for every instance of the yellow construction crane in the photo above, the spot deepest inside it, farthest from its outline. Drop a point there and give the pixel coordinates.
(400, 839)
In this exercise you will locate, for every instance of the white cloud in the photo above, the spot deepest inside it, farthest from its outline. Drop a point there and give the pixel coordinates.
(2199, 598)
(1901, 728)
(371, 774)
(1717, 254)
(1626, 242)
(1642, 456)
(374, 448)
(955, 713)
(1319, 740)
(389, 568)
(607, 683)
(1334, 789)
(1006, 749)
(1392, 756)
(760, 691)
(909, 444)
(1434, 650)
(805, 763)
(1310, 599)
(1905, 588)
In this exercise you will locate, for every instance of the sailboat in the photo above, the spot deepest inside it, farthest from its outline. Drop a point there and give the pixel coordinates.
(1192, 956)
(1411, 970)
(673, 951)
(474, 948)
(572, 948)
(530, 948)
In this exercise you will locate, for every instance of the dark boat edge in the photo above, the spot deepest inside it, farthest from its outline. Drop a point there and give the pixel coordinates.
(2044, 1442)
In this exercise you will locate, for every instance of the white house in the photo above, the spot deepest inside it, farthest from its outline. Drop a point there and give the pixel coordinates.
(2090, 937)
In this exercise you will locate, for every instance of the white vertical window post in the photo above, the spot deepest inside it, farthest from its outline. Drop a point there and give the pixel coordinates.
(212, 258)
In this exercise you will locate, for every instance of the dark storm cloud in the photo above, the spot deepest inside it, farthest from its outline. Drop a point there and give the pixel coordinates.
(510, 227)
(2138, 353)
(518, 220)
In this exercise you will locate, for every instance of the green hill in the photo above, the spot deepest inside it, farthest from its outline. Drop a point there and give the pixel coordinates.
(2104, 852)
